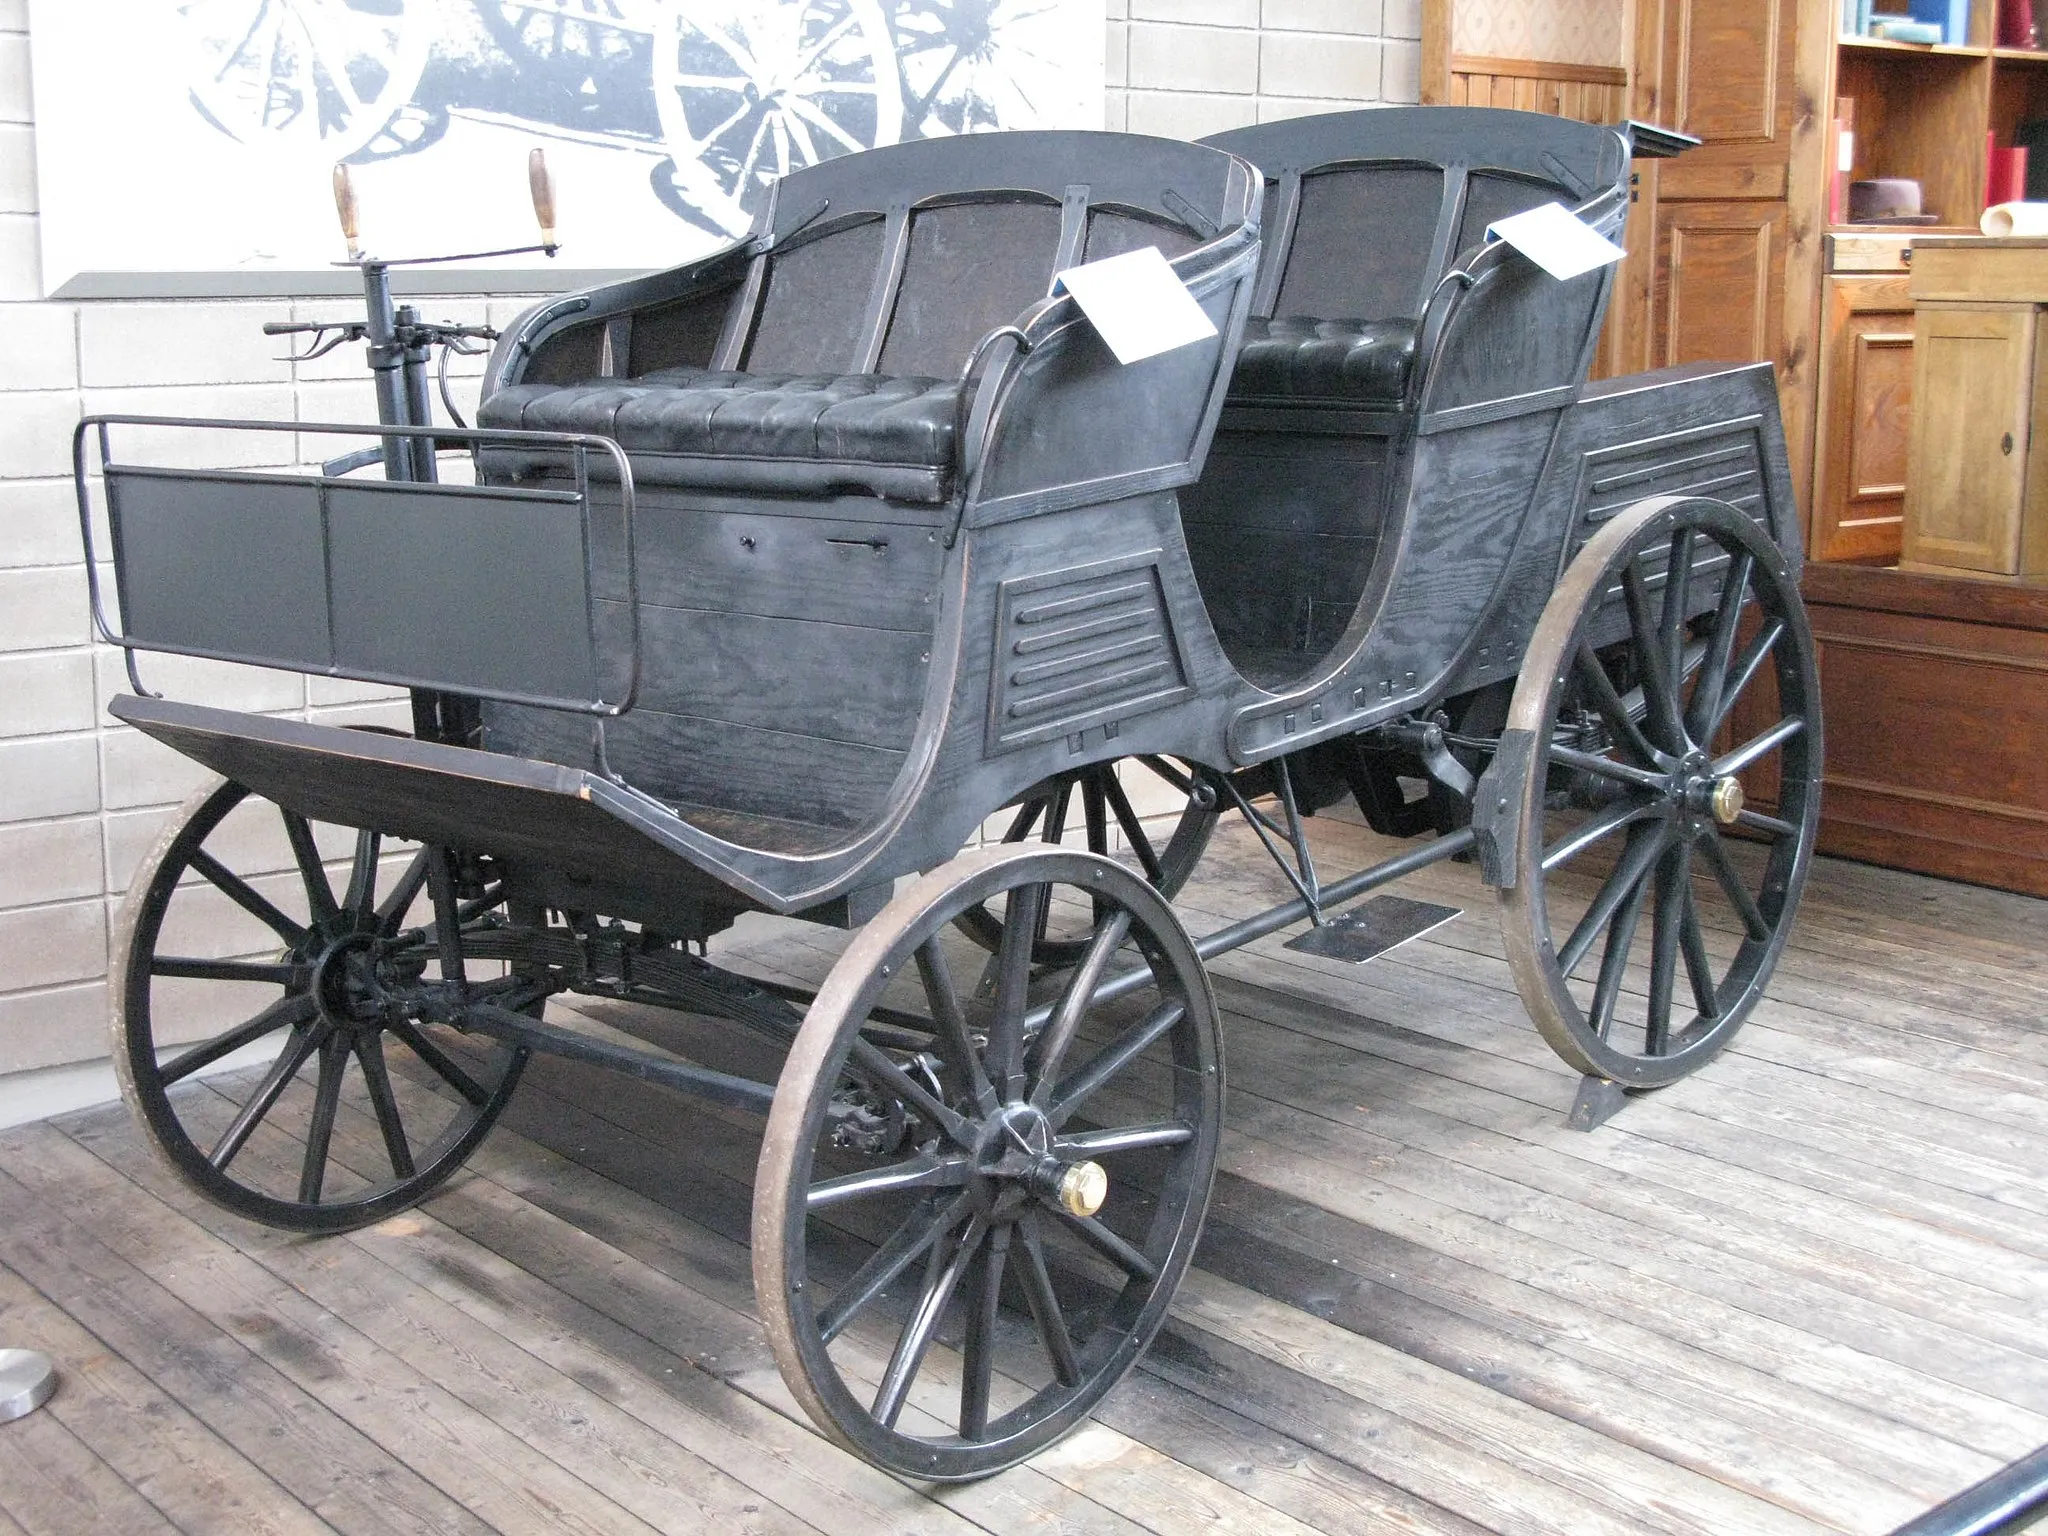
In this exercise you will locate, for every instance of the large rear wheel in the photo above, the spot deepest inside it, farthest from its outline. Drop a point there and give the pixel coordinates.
(1652, 895)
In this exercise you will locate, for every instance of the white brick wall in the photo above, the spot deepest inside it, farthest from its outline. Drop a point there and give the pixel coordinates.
(1184, 68)
(81, 798)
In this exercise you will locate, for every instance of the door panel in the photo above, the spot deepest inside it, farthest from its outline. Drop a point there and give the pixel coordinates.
(1720, 282)
(1866, 415)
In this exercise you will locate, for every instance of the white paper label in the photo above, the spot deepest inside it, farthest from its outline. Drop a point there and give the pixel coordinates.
(1137, 304)
(1557, 240)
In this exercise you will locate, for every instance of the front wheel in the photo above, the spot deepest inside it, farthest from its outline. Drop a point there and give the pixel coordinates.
(959, 1250)
(1637, 799)
(276, 1014)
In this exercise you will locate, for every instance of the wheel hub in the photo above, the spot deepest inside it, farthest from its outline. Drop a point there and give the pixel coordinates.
(345, 981)
(1015, 1160)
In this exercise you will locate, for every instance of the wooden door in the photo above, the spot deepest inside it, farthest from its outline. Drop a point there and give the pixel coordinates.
(1720, 235)
(1865, 417)
(1974, 382)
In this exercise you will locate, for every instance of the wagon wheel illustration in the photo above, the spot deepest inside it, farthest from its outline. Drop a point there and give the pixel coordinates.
(305, 77)
(586, 58)
(973, 65)
(749, 90)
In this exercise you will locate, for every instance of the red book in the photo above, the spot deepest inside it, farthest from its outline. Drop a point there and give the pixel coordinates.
(2016, 24)
(2005, 174)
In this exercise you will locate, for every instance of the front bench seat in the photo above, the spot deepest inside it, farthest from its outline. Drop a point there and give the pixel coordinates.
(708, 429)
(1291, 358)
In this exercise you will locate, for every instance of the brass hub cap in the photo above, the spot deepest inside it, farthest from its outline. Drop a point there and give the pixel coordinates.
(1724, 799)
(1016, 1160)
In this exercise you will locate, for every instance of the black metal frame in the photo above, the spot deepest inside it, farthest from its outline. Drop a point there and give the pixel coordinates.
(2011, 1499)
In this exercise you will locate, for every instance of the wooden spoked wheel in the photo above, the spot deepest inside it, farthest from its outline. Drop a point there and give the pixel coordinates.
(276, 1002)
(959, 1251)
(1095, 806)
(1641, 812)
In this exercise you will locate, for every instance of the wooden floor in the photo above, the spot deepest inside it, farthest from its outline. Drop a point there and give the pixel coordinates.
(1806, 1289)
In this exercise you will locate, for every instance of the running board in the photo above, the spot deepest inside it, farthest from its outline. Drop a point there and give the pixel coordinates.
(1372, 928)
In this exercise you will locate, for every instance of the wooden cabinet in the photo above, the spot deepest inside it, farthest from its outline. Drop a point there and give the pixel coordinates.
(1977, 485)
(1968, 480)
(1865, 417)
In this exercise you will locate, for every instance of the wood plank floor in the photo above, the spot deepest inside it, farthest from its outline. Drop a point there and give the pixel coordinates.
(1804, 1290)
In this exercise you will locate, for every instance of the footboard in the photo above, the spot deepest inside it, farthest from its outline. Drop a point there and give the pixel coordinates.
(496, 592)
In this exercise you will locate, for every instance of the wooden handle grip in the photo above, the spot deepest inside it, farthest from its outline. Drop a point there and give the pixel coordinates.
(542, 185)
(345, 207)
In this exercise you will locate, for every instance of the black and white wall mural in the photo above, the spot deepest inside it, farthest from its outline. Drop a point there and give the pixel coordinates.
(198, 134)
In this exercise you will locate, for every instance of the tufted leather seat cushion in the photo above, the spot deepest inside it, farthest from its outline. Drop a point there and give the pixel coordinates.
(808, 433)
(1356, 361)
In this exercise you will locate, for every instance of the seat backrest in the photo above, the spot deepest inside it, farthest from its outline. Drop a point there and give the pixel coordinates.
(898, 260)
(1366, 211)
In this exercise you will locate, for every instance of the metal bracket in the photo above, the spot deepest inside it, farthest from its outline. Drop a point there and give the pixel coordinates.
(1296, 862)
(1497, 808)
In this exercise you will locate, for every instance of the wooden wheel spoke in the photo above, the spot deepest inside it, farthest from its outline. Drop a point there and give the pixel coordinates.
(1699, 965)
(1129, 1138)
(1112, 1247)
(1024, 915)
(876, 1063)
(920, 1229)
(1077, 1089)
(1587, 833)
(247, 897)
(285, 1013)
(1731, 882)
(1056, 814)
(916, 1338)
(1754, 655)
(392, 909)
(1026, 818)
(1046, 1312)
(954, 1037)
(1621, 938)
(1095, 808)
(319, 894)
(320, 1130)
(921, 1172)
(438, 1061)
(1607, 768)
(1134, 830)
(1659, 686)
(1677, 596)
(1760, 746)
(390, 1124)
(1643, 851)
(294, 1056)
(361, 896)
(188, 969)
(978, 1349)
(1593, 677)
(1706, 700)
(1757, 821)
(1073, 1004)
(1665, 924)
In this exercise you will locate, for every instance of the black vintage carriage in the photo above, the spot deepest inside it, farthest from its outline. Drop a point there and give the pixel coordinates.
(789, 569)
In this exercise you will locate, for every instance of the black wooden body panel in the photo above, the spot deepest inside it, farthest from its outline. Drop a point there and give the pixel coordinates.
(1703, 429)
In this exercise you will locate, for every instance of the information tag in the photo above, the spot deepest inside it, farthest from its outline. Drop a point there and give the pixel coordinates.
(1137, 304)
(1557, 240)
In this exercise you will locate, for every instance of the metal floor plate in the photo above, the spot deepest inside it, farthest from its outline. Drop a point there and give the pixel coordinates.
(1373, 927)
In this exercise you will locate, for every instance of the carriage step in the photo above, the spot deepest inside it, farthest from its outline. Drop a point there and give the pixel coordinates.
(1372, 928)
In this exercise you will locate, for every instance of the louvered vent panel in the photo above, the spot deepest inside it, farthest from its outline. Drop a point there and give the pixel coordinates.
(1082, 647)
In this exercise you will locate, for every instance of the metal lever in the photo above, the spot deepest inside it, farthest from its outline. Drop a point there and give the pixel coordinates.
(542, 185)
(345, 206)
